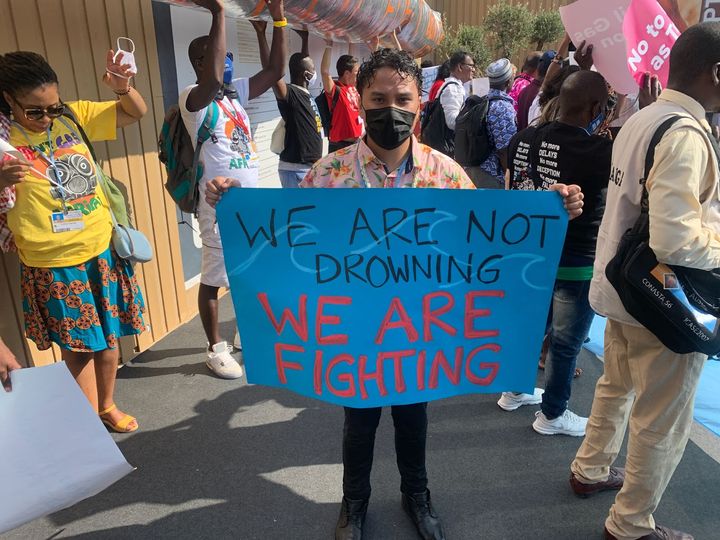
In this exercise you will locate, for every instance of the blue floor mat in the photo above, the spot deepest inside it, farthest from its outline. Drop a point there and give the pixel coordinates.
(707, 403)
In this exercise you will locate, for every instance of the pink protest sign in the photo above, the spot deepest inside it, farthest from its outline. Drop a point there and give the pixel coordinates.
(650, 36)
(601, 24)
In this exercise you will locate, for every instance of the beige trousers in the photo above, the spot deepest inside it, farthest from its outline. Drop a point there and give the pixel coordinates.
(654, 389)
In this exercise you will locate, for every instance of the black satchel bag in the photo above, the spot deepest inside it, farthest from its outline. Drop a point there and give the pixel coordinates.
(435, 132)
(642, 283)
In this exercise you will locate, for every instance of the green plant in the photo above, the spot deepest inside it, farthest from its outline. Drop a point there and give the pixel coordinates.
(547, 27)
(465, 38)
(509, 27)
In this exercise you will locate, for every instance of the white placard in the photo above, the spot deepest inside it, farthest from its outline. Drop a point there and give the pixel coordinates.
(481, 86)
(55, 449)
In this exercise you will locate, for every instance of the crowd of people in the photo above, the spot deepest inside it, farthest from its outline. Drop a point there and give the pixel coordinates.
(555, 126)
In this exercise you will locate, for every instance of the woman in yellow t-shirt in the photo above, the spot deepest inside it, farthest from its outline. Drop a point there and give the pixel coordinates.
(77, 292)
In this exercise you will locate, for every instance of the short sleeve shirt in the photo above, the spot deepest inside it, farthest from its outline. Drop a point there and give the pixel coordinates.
(76, 189)
(231, 152)
(346, 121)
(559, 153)
(426, 168)
(303, 127)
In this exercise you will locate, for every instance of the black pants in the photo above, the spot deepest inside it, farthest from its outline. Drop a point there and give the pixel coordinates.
(335, 146)
(358, 445)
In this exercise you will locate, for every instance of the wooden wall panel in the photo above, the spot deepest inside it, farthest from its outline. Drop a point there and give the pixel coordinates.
(75, 35)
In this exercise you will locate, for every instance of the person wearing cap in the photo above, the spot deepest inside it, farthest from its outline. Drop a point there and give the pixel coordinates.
(501, 124)
(527, 96)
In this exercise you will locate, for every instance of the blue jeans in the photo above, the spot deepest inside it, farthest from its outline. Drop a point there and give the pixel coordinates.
(571, 319)
(292, 179)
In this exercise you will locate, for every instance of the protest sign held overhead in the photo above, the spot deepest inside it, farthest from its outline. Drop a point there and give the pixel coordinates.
(601, 24)
(650, 35)
(368, 298)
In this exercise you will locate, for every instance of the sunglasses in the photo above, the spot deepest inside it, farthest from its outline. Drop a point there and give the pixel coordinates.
(38, 113)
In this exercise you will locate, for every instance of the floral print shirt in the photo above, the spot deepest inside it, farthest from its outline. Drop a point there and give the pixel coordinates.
(424, 168)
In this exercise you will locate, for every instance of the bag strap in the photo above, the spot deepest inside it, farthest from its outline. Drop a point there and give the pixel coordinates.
(335, 99)
(444, 86)
(650, 159)
(208, 126)
(95, 163)
(71, 115)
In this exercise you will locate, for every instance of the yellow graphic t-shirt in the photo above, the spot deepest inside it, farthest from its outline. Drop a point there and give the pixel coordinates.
(39, 201)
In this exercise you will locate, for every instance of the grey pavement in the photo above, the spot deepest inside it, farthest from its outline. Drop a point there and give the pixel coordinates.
(223, 459)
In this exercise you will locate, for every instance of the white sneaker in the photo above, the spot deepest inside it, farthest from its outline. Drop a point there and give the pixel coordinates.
(567, 424)
(221, 362)
(237, 345)
(509, 401)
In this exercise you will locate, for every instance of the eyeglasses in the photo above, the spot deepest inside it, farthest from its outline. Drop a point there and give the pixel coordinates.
(471, 66)
(38, 113)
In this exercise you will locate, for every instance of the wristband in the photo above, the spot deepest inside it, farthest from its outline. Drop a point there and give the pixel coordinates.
(280, 24)
(124, 93)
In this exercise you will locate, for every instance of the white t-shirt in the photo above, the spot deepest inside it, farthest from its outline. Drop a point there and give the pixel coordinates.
(233, 154)
(535, 112)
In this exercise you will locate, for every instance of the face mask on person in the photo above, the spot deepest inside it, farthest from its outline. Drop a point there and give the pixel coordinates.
(389, 127)
(228, 74)
(595, 124)
(311, 78)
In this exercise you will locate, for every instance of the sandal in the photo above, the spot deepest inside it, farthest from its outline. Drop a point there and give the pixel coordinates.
(122, 425)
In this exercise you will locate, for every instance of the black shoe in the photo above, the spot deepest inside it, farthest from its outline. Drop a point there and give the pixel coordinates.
(351, 520)
(422, 513)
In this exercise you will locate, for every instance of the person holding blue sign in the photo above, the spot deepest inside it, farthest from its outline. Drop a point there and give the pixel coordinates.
(389, 156)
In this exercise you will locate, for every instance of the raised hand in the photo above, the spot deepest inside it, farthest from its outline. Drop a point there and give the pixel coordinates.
(649, 90)
(117, 75)
(276, 9)
(584, 56)
(259, 26)
(213, 6)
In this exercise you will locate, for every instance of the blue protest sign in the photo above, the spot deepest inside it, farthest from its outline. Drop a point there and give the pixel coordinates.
(374, 297)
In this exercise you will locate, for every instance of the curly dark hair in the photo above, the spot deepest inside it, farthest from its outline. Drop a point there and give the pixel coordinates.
(21, 72)
(400, 61)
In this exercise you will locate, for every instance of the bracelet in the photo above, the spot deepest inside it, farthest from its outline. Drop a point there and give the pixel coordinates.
(280, 24)
(125, 93)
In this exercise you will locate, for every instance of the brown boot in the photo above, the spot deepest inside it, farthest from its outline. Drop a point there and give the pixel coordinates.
(660, 533)
(614, 481)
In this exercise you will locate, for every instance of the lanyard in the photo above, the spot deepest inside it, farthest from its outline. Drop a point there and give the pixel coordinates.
(366, 180)
(50, 159)
(236, 118)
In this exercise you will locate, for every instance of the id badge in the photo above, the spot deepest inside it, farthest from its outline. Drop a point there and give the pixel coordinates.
(72, 220)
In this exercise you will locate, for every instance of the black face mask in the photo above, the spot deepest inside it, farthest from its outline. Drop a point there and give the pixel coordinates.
(389, 127)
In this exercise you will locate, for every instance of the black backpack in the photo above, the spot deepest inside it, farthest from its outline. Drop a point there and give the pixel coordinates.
(326, 113)
(473, 144)
(435, 131)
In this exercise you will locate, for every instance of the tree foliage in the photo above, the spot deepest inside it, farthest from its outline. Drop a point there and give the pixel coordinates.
(547, 28)
(466, 38)
(509, 27)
